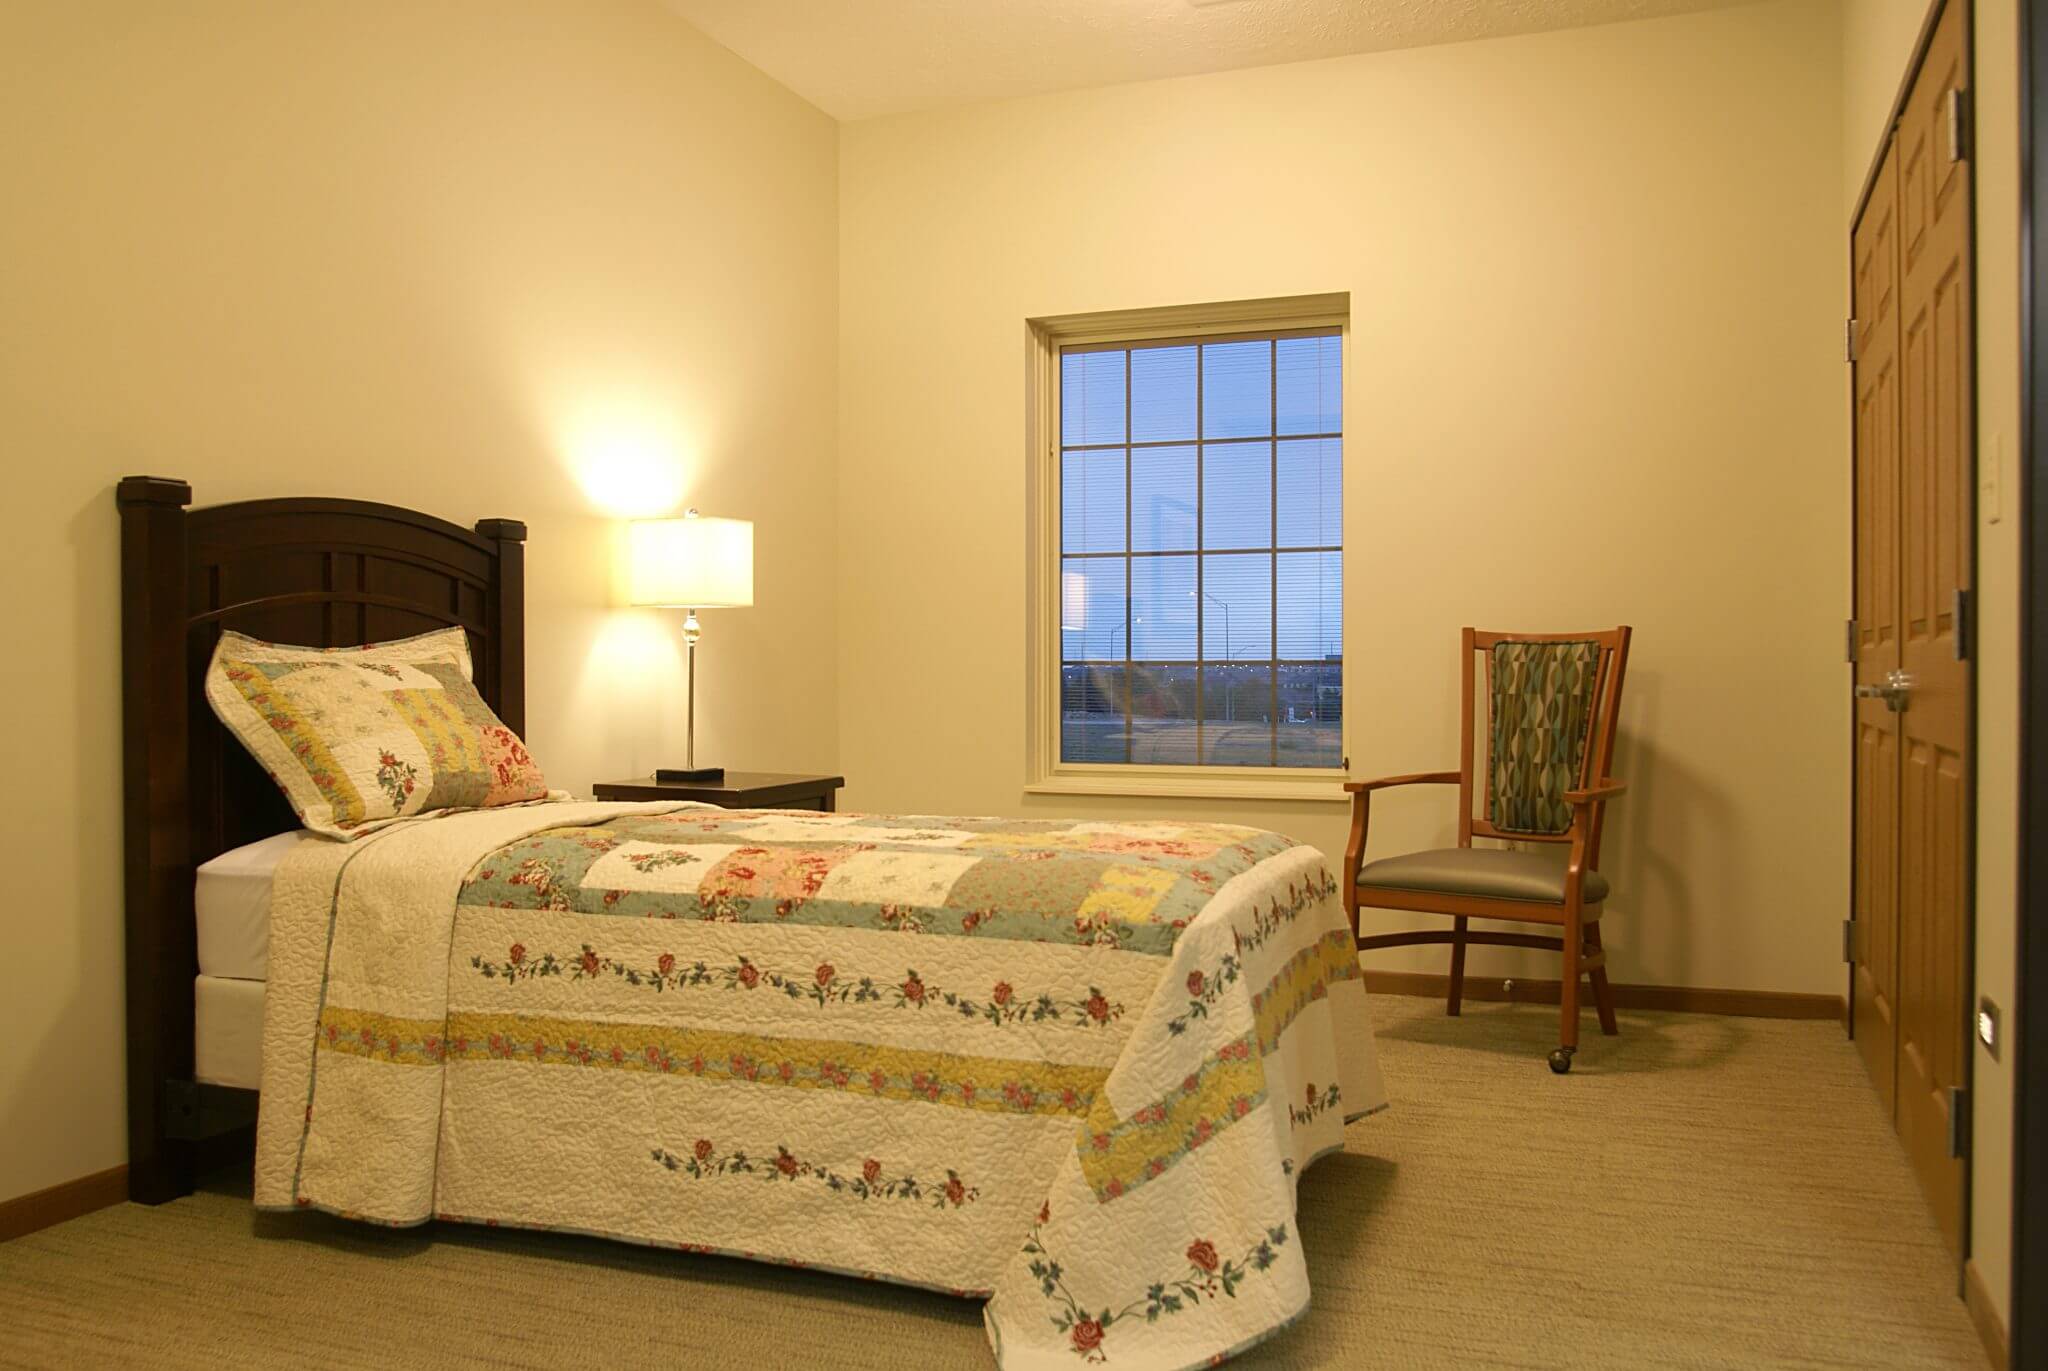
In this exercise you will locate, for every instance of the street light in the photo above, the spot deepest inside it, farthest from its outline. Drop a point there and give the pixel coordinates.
(1229, 697)
(1228, 647)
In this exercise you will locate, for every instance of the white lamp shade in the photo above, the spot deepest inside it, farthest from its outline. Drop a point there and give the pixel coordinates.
(691, 563)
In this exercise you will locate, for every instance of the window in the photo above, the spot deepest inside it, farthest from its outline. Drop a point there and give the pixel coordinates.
(1198, 497)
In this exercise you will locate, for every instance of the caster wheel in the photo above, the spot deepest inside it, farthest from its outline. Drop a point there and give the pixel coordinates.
(1561, 1060)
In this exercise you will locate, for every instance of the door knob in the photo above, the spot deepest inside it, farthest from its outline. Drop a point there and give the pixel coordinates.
(1895, 690)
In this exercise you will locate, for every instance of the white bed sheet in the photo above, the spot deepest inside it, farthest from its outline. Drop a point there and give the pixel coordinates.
(231, 904)
(227, 1031)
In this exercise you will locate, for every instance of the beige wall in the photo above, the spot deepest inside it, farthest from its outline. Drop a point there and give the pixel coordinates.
(482, 258)
(1998, 616)
(1595, 282)
(1877, 42)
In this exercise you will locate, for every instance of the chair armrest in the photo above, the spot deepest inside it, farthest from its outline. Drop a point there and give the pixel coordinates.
(1606, 790)
(1415, 778)
(1361, 816)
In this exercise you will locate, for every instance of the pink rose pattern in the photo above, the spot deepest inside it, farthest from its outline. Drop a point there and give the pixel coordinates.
(1208, 1276)
(704, 1161)
(822, 985)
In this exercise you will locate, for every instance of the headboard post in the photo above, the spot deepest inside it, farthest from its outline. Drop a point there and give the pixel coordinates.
(162, 955)
(508, 620)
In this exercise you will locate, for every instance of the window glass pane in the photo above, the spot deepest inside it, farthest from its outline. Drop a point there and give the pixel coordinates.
(1092, 501)
(1162, 394)
(1237, 495)
(1237, 715)
(1309, 376)
(1163, 608)
(1092, 608)
(1163, 499)
(1163, 716)
(1177, 609)
(1311, 729)
(1311, 605)
(1092, 714)
(1311, 492)
(1237, 607)
(1237, 389)
(1091, 397)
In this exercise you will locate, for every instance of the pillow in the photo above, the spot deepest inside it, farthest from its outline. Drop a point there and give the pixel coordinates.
(359, 737)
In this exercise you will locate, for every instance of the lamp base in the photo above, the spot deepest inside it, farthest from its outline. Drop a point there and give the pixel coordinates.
(669, 775)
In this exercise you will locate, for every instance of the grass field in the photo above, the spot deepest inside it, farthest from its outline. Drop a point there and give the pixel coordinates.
(1171, 742)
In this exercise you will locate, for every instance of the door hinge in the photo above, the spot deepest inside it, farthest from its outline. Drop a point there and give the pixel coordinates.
(1849, 941)
(1958, 1121)
(1850, 650)
(1964, 639)
(1958, 124)
(1849, 339)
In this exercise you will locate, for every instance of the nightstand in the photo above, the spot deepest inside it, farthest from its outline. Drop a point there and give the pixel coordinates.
(739, 790)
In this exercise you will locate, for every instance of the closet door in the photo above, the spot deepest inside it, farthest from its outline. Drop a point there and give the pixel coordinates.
(1873, 951)
(1937, 402)
(1915, 474)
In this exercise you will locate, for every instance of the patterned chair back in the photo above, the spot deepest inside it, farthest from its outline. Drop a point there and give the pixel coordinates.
(1541, 712)
(1552, 703)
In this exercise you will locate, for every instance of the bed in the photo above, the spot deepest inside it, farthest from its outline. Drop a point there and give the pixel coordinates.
(1073, 1068)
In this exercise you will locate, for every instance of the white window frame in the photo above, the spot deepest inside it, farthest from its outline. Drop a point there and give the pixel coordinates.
(1045, 773)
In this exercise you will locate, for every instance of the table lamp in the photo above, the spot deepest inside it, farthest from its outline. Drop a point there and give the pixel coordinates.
(691, 563)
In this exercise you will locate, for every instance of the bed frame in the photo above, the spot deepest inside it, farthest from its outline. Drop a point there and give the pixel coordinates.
(324, 573)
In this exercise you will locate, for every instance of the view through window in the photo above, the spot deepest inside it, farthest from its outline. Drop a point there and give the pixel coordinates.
(1201, 558)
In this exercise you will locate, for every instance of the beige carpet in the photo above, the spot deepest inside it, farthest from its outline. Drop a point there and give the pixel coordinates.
(1704, 1192)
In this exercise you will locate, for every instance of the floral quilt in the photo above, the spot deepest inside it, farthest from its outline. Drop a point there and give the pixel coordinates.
(1073, 1068)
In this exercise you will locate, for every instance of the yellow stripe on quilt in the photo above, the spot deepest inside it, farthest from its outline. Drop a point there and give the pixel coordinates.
(1306, 978)
(365, 1033)
(1118, 1155)
(994, 1085)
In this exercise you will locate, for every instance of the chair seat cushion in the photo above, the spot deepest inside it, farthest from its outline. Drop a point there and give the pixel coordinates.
(1487, 872)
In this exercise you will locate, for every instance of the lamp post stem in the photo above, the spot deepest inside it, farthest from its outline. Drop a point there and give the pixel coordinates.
(691, 632)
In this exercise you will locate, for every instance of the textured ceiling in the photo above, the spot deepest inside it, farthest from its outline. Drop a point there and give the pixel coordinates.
(859, 58)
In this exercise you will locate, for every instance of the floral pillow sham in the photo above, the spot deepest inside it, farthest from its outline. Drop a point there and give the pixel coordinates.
(359, 737)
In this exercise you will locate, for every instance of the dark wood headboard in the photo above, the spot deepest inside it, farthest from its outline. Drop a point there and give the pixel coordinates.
(317, 572)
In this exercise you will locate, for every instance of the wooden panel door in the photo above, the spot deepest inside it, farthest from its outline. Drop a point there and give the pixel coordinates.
(1873, 953)
(1937, 482)
(1915, 477)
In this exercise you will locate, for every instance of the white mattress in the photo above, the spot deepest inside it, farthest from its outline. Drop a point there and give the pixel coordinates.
(227, 1031)
(232, 905)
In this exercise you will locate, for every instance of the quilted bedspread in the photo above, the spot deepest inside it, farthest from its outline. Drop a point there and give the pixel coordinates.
(1075, 1068)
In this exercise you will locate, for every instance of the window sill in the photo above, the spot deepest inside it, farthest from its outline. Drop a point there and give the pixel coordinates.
(1325, 788)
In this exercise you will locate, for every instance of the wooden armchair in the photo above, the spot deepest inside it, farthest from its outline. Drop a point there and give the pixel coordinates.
(1552, 701)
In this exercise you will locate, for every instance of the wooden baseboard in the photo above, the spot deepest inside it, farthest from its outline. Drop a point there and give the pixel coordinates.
(1990, 1328)
(73, 1199)
(1749, 1004)
(62, 1201)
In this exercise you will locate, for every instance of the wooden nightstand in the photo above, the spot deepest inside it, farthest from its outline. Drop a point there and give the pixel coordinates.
(739, 790)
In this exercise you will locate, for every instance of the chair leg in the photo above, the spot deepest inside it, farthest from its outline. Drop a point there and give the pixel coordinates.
(1603, 994)
(1457, 1000)
(1568, 1006)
